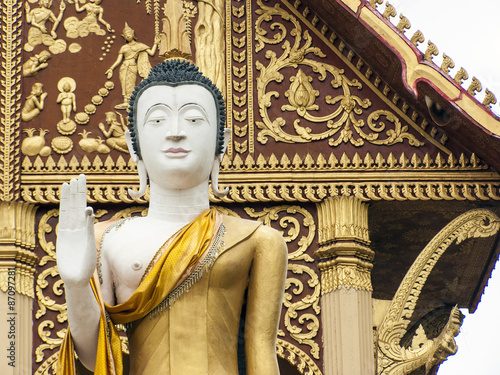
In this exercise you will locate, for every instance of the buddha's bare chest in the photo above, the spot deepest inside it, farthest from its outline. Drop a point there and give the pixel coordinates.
(130, 254)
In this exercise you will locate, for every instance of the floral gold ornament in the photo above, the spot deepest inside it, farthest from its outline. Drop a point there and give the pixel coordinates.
(38, 32)
(67, 100)
(82, 118)
(35, 144)
(34, 103)
(343, 124)
(74, 48)
(176, 34)
(62, 145)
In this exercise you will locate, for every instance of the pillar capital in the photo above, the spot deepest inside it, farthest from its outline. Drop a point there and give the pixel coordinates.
(344, 255)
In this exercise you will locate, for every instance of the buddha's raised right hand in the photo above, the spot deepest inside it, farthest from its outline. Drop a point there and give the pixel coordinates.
(76, 250)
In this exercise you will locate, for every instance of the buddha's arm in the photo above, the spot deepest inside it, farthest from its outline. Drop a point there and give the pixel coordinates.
(76, 261)
(265, 296)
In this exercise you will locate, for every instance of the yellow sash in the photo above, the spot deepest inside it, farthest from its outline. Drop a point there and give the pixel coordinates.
(178, 257)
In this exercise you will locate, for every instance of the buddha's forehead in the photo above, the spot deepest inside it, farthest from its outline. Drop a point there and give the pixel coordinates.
(175, 97)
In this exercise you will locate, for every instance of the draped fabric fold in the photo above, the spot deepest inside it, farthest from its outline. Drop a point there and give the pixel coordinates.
(177, 261)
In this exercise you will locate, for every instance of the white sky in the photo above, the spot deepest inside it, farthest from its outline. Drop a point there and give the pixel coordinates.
(467, 31)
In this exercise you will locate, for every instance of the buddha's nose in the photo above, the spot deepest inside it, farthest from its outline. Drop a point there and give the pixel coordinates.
(175, 133)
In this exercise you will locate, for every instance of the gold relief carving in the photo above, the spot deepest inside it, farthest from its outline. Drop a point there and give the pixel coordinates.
(447, 64)
(295, 287)
(82, 118)
(301, 95)
(133, 60)
(35, 144)
(17, 237)
(461, 76)
(89, 144)
(474, 87)
(11, 20)
(62, 145)
(417, 38)
(344, 255)
(389, 11)
(392, 357)
(90, 24)
(36, 63)
(375, 3)
(38, 32)
(175, 37)
(403, 24)
(304, 364)
(115, 134)
(209, 41)
(489, 99)
(34, 103)
(240, 52)
(431, 50)
(67, 100)
(74, 48)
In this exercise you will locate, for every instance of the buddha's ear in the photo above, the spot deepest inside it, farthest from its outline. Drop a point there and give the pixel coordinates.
(128, 139)
(227, 137)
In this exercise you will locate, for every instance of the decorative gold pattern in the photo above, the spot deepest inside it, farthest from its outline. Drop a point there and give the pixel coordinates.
(392, 358)
(447, 64)
(431, 51)
(403, 24)
(302, 96)
(240, 62)
(489, 99)
(344, 255)
(296, 357)
(17, 242)
(474, 87)
(11, 17)
(372, 81)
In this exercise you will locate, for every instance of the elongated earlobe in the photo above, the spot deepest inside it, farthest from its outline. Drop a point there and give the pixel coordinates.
(215, 180)
(141, 169)
(143, 180)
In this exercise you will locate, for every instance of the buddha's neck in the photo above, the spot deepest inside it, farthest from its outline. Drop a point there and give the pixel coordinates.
(175, 205)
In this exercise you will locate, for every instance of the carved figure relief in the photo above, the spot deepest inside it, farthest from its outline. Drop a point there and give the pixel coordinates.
(67, 101)
(115, 134)
(133, 57)
(36, 63)
(90, 24)
(34, 103)
(38, 32)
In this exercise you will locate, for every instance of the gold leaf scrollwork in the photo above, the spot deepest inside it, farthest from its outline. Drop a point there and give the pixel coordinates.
(343, 122)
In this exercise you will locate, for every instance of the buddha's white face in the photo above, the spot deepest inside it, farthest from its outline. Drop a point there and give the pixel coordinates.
(177, 131)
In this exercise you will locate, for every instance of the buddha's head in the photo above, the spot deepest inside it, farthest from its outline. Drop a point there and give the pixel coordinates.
(177, 123)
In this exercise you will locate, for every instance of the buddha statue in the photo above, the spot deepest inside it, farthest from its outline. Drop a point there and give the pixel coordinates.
(184, 280)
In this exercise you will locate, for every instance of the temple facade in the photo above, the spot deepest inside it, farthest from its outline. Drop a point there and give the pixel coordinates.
(379, 167)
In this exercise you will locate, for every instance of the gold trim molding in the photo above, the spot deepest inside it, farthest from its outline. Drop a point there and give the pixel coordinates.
(296, 357)
(17, 242)
(11, 20)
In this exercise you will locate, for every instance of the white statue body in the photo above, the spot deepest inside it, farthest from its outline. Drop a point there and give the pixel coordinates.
(177, 131)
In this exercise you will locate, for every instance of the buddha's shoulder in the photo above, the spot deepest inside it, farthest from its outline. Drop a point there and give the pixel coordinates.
(239, 229)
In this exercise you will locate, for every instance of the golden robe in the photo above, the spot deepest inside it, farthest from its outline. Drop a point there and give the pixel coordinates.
(199, 333)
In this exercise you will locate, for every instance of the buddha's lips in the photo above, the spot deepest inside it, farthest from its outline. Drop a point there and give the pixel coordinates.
(175, 150)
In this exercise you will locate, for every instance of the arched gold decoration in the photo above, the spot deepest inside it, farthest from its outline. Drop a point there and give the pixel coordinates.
(296, 357)
(342, 124)
(392, 357)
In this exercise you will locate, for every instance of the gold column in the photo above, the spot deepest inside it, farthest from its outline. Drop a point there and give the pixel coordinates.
(345, 264)
(17, 268)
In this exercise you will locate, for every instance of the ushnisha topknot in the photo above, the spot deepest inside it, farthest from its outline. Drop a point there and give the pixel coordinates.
(176, 72)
